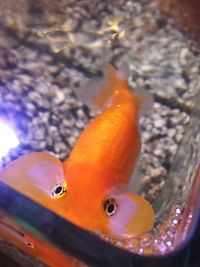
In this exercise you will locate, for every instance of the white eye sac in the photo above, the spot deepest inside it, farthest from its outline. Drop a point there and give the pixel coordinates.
(110, 206)
(59, 190)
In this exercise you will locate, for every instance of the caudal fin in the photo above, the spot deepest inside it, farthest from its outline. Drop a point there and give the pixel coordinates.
(113, 88)
(98, 94)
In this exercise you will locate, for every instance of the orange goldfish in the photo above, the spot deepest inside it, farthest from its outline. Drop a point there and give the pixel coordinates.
(89, 188)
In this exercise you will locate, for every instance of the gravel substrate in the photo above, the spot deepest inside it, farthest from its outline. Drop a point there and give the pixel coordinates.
(48, 52)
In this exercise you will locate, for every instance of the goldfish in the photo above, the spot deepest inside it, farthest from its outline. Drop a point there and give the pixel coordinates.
(90, 188)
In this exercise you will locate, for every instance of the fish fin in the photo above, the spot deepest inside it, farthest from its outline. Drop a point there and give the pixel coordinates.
(134, 216)
(98, 94)
(124, 72)
(136, 181)
(144, 100)
(35, 175)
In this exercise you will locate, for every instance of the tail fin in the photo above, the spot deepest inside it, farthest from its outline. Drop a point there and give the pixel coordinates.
(98, 94)
(144, 101)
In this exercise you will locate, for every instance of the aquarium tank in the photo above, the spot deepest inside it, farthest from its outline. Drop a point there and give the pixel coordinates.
(52, 56)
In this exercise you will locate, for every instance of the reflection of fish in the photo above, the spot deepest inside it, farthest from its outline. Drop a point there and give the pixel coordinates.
(37, 247)
(89, 188)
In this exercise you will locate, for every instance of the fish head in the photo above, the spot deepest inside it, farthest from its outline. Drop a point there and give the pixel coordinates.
(96, 202)
(86, 187)
(90, 198)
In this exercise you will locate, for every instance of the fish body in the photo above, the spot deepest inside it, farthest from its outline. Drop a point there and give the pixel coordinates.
(111, 141)
(90, 187)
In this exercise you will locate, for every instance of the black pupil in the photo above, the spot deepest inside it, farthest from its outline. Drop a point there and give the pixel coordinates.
(30, 244)
(58, 189)
(110, 208)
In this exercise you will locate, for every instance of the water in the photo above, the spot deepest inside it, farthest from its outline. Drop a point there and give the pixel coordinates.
(49, 49)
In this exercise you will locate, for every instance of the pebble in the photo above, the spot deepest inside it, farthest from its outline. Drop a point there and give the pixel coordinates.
(158, 172)
(158, 152)
(171, 132)
(59, 97)
(71, 140)
(60, 146)
(30, 108)
(40, 134)
(38, 145)
(159, 123)
(80, 124)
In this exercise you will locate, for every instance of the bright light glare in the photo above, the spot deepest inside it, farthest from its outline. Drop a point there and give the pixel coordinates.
(8, 139)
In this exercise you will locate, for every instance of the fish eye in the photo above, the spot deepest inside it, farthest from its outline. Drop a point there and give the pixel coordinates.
(29, 244)
(110, 206)
(59, 190)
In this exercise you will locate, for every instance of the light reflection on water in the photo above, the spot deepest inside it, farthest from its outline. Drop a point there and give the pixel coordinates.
(8, 139)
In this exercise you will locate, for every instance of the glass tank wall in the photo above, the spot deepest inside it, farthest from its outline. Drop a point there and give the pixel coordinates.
(48, 50)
